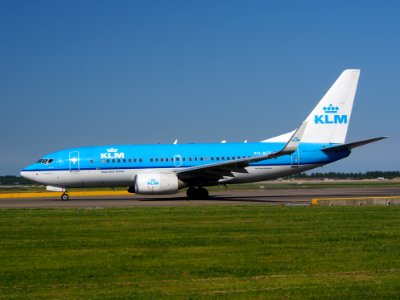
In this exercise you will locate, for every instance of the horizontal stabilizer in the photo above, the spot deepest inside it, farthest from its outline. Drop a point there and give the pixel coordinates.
(350, 146)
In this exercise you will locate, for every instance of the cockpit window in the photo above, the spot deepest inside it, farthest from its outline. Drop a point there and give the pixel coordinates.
(45, 161)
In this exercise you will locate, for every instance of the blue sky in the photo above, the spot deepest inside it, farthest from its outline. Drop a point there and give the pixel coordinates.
(77, 73)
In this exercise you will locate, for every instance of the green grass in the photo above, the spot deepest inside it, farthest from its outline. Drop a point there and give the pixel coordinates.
(251, 252)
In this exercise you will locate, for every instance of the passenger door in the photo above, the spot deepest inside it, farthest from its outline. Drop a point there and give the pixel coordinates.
(74, 161)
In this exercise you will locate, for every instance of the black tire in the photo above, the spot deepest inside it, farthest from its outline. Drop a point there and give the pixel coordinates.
(192, 193)
(203, 194)
(64, 197)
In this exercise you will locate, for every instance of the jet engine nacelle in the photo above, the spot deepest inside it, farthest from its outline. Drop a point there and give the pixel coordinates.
(157, 184)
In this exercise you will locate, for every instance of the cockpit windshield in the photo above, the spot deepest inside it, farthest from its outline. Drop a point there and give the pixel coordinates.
(45, 161)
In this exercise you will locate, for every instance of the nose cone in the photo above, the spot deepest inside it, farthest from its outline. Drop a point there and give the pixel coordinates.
(28, 172)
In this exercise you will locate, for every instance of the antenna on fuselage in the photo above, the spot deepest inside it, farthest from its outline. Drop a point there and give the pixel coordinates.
(176, 142)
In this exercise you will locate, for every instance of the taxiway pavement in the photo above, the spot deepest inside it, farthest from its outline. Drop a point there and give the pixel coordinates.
(289, 197)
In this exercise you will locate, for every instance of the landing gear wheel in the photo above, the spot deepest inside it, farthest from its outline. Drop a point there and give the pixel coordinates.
(203, 193)
(198, 194)
(64, 197)
(191, 193)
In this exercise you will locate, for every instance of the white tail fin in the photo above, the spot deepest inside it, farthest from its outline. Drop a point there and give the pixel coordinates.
(329, 121)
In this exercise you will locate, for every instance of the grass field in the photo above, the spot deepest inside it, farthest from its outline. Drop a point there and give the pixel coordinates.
(249, 252)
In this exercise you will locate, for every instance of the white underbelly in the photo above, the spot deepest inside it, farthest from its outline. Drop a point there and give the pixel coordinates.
(260, 173)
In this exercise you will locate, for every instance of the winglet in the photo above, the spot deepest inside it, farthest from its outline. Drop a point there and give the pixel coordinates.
(294, 141)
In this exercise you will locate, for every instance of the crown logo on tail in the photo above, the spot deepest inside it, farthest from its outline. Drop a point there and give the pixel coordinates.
(331, 116)
(331, 109)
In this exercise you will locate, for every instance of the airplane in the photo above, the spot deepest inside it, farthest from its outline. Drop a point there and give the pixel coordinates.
(163, 169)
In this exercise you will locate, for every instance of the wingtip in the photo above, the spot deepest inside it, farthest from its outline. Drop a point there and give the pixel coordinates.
(382, 137)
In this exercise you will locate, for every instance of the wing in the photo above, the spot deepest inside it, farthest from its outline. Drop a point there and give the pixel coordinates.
(211, 173)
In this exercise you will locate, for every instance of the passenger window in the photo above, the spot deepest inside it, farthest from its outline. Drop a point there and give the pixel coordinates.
(124, 160)
(118, 160)
(212, 157)
(140, 159)
(161, 159)
(102, 161)
(217, 158)
(190, 159)
(222, 158)
(108, 160)
(91, 161)
(113, 160)
(195, 158)
(156, 159)
(201, 158)
(166, 159)
(151, 160)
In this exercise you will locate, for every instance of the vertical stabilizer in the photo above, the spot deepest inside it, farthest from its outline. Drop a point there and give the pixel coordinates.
(329, 121)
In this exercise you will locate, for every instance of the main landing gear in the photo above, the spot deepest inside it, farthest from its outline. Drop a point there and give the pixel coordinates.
(64, 196)
(197, 193)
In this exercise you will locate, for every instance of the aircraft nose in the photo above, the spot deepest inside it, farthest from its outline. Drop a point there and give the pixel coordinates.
(27, 175)
(24, 174)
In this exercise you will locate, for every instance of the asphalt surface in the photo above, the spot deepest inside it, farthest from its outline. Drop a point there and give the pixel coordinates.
(289, 197)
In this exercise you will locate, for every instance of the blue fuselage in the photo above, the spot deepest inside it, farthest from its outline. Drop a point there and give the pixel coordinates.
(131, 159)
